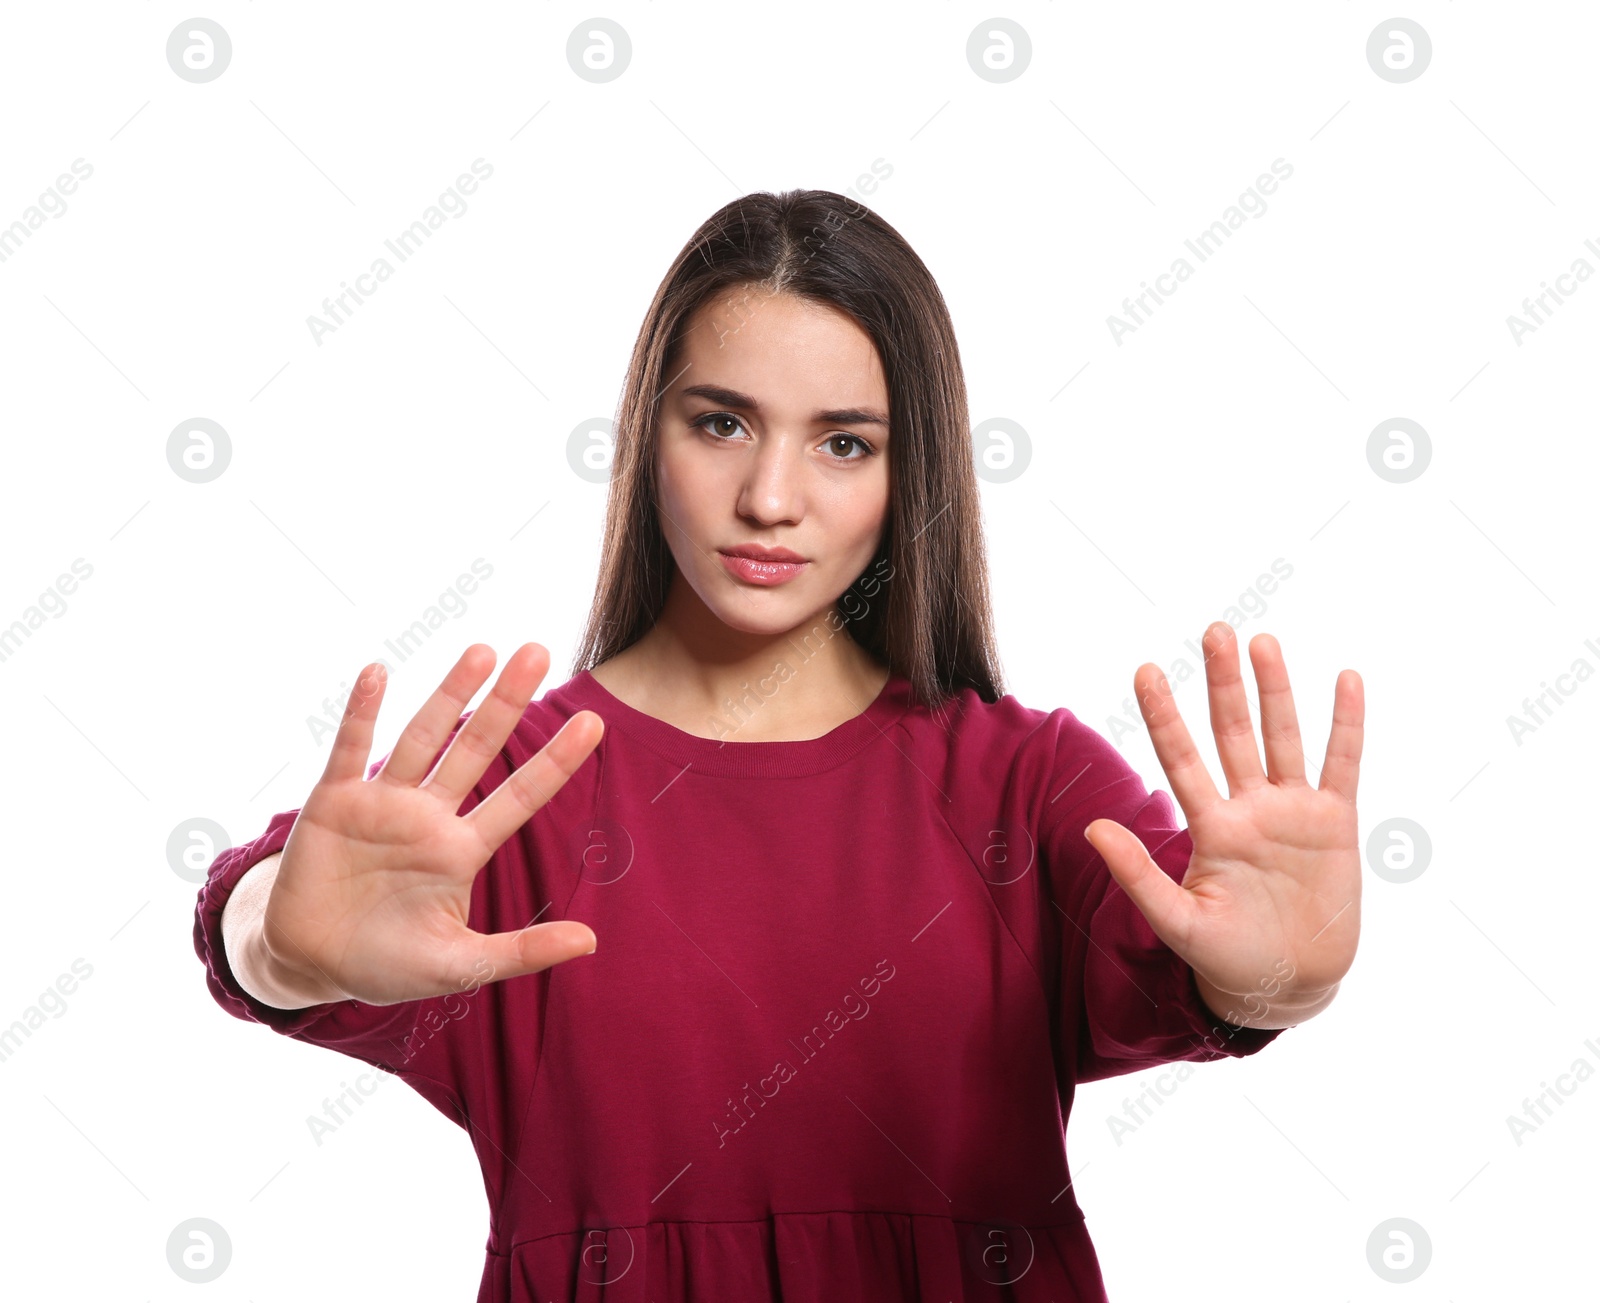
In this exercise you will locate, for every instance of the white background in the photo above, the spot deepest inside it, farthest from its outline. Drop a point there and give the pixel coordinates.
(1228, 431)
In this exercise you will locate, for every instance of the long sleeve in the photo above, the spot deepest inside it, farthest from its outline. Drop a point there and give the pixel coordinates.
(1128, 1001)
(398, 1038)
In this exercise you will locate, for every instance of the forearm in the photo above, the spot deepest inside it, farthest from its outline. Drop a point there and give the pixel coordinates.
(260, 973)
(1286, 1007)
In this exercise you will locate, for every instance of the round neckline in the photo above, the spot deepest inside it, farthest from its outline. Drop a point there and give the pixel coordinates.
(731, 758)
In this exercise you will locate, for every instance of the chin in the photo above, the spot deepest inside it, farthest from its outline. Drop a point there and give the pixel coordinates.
(771, 619)
(765, 612)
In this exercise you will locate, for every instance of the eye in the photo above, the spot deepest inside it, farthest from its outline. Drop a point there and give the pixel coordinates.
(709, 417)
(850, 440)
(708, 423)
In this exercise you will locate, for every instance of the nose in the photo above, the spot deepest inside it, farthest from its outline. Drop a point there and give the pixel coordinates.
(771, 492)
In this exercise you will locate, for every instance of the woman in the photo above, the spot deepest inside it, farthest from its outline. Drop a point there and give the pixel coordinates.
(864, 920)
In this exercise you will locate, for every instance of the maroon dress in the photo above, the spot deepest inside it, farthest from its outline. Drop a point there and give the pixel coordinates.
(827, 1045)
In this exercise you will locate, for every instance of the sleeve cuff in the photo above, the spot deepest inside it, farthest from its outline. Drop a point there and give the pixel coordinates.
(222, 878)
(1142, 983)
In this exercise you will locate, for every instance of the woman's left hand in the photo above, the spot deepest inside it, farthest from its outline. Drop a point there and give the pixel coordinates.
(1269, 910)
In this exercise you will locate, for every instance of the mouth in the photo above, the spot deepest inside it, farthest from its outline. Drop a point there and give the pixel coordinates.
(758, 553)
(762, 566)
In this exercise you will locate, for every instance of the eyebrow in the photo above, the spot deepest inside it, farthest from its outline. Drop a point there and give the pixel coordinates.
(744, 402)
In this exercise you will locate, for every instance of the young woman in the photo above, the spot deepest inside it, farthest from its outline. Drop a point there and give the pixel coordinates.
(863, 920)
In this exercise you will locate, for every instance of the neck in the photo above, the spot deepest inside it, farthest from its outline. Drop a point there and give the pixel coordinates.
(697, 674)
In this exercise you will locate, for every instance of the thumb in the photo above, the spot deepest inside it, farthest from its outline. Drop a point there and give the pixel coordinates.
(1164, 903)
(531, 949)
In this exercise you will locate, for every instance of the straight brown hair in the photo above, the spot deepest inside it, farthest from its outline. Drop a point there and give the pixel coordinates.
(922, 606)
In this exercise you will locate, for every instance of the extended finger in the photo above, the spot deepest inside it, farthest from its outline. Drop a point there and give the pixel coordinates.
(1185, 770)
(1230, 710)
(421, 740)
(1341, 769)
(1160, 898)
(535, 781)
(481, 737)
(1280, 727)
(482, 957)
(352, 744)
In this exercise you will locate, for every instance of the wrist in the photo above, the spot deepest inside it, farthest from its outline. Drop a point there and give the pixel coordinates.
(276, 981)
(1286, 1006)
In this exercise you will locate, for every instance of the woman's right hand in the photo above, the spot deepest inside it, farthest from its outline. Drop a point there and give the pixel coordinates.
(372, 890)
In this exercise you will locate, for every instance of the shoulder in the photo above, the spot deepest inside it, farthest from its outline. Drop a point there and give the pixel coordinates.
(1005, 753)
(989, 733)
(1024, 761)
(545, 715)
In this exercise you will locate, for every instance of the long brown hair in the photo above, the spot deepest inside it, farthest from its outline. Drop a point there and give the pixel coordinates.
(922, 606)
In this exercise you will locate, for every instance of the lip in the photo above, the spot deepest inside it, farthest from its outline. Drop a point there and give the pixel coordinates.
(761, 566)
(758, 553)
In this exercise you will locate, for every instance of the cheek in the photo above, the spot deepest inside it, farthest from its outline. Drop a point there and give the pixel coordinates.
(862, 515)
(670, 478)
(687, 492)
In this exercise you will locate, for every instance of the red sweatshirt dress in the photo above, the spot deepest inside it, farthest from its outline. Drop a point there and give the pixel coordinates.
(827, 1045)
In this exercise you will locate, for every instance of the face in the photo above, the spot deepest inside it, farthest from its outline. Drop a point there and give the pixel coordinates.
(773, 437)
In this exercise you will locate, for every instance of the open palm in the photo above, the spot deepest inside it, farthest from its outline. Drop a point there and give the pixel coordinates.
(1270, 902)
(372, 895)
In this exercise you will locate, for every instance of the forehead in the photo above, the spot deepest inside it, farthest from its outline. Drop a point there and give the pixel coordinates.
(749, 338)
